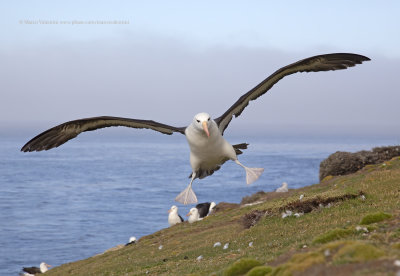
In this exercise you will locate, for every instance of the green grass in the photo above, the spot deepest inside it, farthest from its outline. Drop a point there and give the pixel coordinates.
(374, 217)
(332, 235)
(285, 245)
(241, 267)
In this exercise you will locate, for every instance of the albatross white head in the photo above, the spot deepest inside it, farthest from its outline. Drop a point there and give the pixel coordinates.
(202, 122)
(193, 215)
(44, 267)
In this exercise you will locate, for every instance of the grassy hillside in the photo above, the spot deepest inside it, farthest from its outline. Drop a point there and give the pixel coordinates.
(351, 225)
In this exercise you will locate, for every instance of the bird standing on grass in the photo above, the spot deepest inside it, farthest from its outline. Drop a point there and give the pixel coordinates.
(132, 240)
(193, 215)
(208, 148)
(28, 271)
(283, 188)
(174, 217)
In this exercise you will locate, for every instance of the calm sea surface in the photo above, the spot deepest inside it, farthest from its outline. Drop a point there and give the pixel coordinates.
(96, 191)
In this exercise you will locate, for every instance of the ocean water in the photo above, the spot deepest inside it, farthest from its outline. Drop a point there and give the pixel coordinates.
(96, 191)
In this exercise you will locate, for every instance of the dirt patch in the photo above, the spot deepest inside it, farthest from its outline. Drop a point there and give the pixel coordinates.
(225, 206)
(306, 206)
(251, 219)
(253, 198)
(342, 163)
(265, 196)
(300, 206)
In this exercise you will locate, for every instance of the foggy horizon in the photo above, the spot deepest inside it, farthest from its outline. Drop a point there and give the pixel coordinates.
(169, 70)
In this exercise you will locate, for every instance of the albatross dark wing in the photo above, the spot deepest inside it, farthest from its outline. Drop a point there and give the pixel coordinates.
(203, 208)
(313, 64)
(60, 134)
(32, 270)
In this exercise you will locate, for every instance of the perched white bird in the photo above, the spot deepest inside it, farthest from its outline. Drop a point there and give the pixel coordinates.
(208, 148)
(36, 270)
(226, 245)
(193, 215)
(174, 217)
(282, 189)
(205, 208)
(132, 240)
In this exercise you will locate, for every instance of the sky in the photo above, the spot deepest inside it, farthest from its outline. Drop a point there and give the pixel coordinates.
(168, 60)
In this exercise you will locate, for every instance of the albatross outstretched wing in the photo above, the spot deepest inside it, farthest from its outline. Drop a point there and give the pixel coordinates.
(311, 64)
(60, 134)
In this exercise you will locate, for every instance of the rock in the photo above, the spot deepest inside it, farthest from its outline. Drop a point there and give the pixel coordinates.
(342, 163)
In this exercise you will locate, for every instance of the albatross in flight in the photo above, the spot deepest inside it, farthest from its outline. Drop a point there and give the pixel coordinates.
(208, 148)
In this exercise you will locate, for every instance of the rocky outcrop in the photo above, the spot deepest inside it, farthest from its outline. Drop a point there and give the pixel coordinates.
(341, 163)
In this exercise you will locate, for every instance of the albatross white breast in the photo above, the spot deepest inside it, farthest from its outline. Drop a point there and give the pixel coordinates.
(208, 148)
(174, 217)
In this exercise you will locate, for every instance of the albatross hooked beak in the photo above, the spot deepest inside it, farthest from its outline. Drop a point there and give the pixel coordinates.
(205, 128)
(188, 214)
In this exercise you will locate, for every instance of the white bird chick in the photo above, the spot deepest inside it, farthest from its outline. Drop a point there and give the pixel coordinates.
(282, 189)
(174, 217)
(193, 215)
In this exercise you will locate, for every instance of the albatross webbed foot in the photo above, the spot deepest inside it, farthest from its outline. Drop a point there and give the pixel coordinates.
(252, 174)
(187, 196)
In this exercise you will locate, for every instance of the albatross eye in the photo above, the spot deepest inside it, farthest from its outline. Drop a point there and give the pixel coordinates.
(208, 119)
(198, 121)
